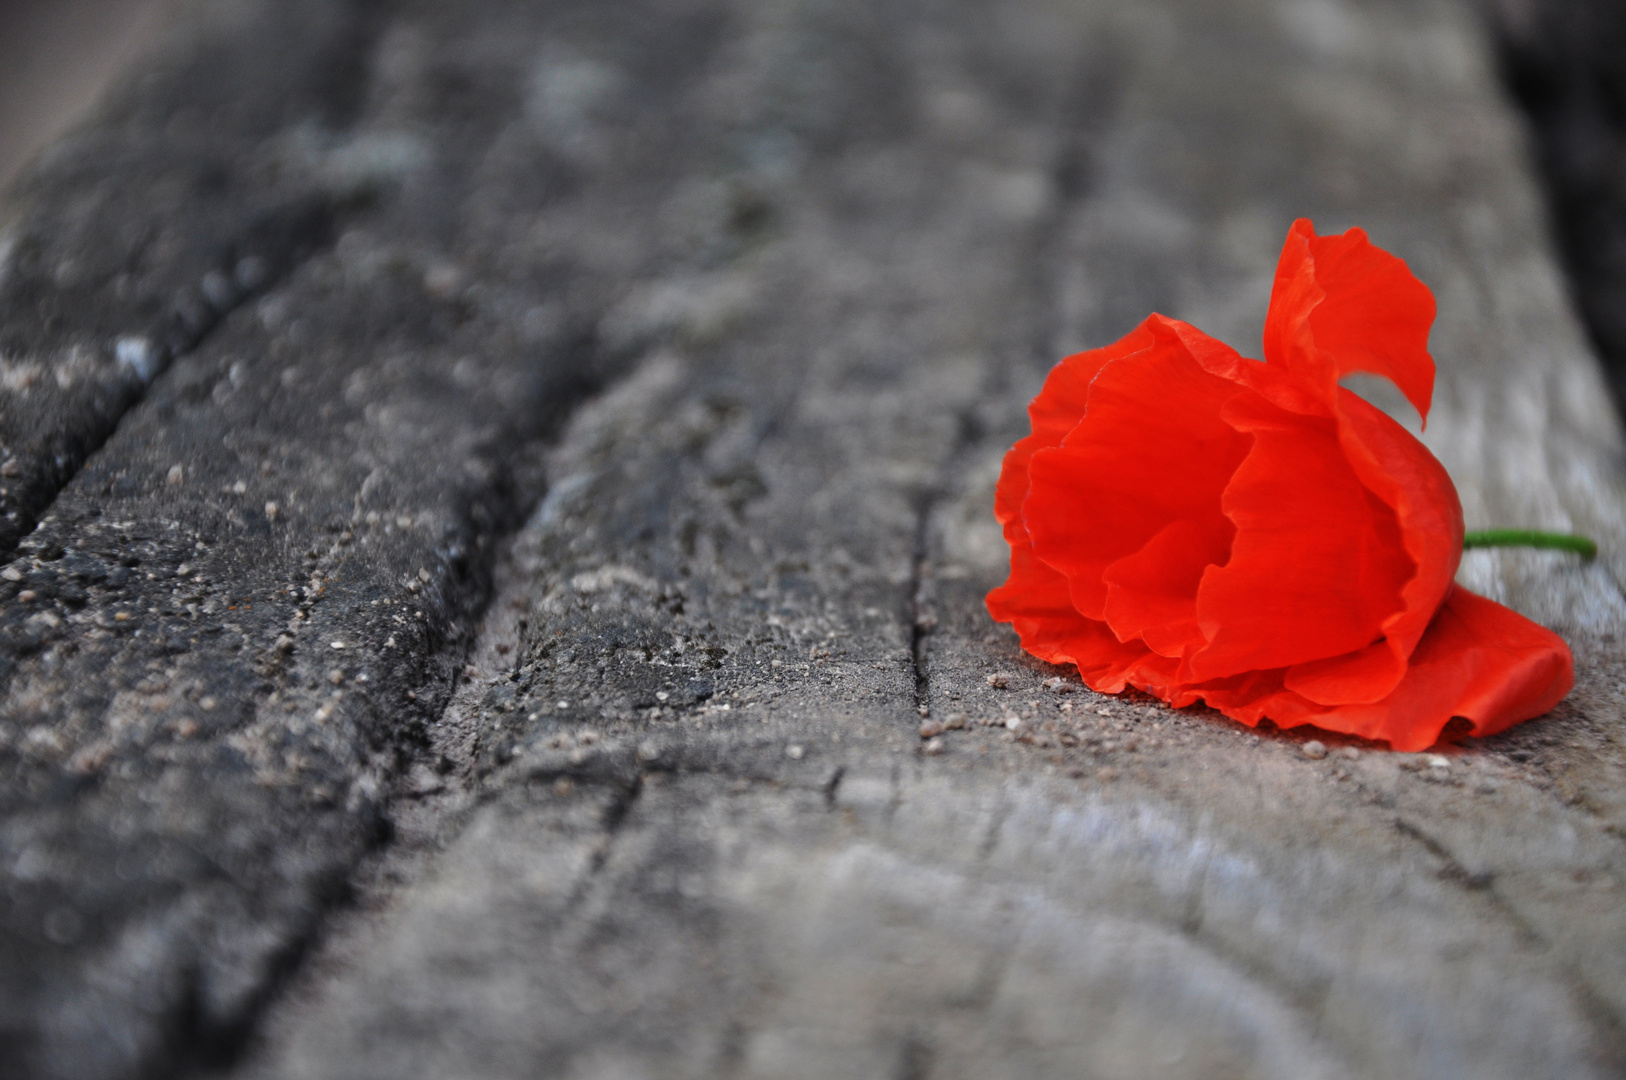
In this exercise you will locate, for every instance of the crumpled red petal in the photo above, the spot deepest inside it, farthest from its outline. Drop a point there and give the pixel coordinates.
(1341, 305)
(1411, 480)
(1314, 582)
(1478, 660)
(1150, 449)
(1053, 414)
(1035, 597)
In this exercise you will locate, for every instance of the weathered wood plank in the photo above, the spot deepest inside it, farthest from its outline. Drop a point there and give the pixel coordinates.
(678, 820)
(779, 883)
(130, 238)
(242, 611)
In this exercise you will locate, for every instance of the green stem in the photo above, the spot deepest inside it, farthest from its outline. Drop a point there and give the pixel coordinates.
(1530, 538)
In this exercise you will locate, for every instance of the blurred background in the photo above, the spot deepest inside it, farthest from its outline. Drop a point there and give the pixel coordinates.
(1563, 61)
(57, 57)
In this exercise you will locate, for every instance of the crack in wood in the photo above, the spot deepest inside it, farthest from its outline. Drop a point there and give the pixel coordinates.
(275, 244)
(922, 619)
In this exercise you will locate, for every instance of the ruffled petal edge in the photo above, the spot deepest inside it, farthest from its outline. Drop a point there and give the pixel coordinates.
(1477, 660)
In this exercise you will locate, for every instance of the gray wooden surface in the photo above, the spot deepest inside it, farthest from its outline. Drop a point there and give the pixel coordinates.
(483, 628)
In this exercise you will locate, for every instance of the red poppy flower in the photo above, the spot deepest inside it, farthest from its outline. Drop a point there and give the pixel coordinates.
(1209, 527)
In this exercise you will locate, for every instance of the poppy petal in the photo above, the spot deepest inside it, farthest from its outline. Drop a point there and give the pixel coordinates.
(1106, 664)
(1478, 660)
(1055, 412)
(1316, 567)
(1032, 591)
(1152, 594)
(1341, 305)
(1057, 634)
(1402, 472)
(1150, 449)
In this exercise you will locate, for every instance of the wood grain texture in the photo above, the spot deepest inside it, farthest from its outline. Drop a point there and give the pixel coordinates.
(773, 282)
